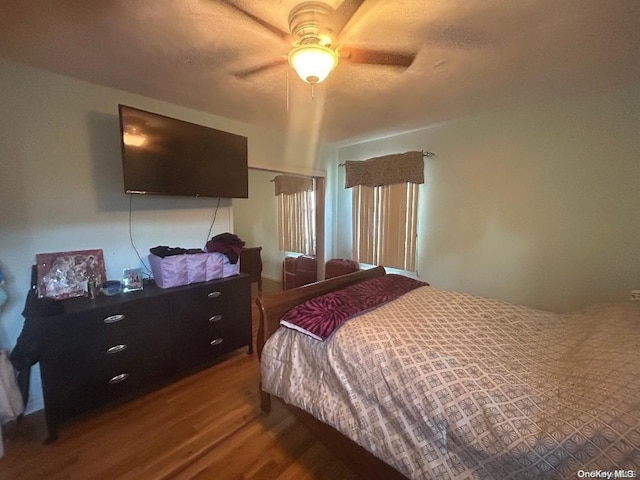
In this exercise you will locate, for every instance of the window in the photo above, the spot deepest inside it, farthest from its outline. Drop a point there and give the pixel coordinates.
(296, 214)
(385, 208)
(384, 225)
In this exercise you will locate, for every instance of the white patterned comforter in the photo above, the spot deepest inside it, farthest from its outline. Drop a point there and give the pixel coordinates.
(445, 385)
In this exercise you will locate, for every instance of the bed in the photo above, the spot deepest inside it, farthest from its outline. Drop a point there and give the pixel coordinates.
(440, 384)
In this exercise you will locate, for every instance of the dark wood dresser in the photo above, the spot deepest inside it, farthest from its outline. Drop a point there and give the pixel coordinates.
(115, 348)
(251, 264)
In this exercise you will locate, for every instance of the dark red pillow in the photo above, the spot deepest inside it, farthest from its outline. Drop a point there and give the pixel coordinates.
(321, 316)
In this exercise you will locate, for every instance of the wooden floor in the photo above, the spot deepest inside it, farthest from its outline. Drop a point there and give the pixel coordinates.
(205, 426)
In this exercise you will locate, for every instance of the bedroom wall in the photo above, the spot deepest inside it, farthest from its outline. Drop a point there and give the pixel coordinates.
(260, 230)
(61, 182)
(535, 205)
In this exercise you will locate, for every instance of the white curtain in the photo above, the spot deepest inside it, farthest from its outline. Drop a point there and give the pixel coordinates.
(384, 225)
(296, 222)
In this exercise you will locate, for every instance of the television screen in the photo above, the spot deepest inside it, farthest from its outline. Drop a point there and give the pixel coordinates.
(166, 156)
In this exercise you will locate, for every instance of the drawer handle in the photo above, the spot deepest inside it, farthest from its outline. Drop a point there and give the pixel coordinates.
(119, 378)
(116, 348)
(214, 294)
(114, 318)
(215, 318)
(217, 341)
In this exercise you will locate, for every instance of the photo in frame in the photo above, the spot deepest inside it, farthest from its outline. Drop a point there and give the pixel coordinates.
(65, 274)
(132, 279)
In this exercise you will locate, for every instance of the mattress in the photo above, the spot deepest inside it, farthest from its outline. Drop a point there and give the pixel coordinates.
(440, 384)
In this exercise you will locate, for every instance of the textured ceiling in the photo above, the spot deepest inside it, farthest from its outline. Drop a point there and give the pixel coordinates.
(472, 56)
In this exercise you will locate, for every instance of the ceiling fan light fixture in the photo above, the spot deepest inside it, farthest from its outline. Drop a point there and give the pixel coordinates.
(313, 62)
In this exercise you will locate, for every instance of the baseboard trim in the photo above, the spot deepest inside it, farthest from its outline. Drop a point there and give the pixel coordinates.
(272, 278)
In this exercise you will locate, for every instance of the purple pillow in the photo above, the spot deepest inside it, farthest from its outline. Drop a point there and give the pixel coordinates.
(320, 316)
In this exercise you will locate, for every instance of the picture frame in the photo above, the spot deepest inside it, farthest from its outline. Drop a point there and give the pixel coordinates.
(65, 274)
(132, 279)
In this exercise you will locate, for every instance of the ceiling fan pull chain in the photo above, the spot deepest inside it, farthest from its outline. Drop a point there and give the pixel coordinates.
(287, 87)
(312, 93)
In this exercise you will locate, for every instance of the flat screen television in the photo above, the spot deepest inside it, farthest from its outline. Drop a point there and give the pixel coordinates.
(166, 156)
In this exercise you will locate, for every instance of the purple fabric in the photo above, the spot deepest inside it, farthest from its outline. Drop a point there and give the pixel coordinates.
(322, 315)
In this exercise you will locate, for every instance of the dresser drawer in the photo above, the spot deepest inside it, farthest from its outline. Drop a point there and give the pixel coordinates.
(204, 310)
(211, 344)
(209, 299)
(81, 379)
(212, 320)
(70, 389)
(102, 326)
(207, 331)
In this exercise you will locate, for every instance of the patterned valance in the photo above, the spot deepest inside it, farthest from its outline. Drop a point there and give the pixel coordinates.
(289, 184)
(386, 170)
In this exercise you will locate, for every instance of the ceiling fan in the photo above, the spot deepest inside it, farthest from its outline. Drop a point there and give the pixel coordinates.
(315, 51)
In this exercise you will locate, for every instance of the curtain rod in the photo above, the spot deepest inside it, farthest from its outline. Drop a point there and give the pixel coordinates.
(293, 175)
(424, 154)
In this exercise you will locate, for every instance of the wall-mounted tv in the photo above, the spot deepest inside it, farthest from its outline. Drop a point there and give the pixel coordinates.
(166, 156)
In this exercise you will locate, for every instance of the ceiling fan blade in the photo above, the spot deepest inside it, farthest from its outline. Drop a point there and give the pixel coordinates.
(260, 68)
(263, 23)
(343, 14)
(377, 57)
